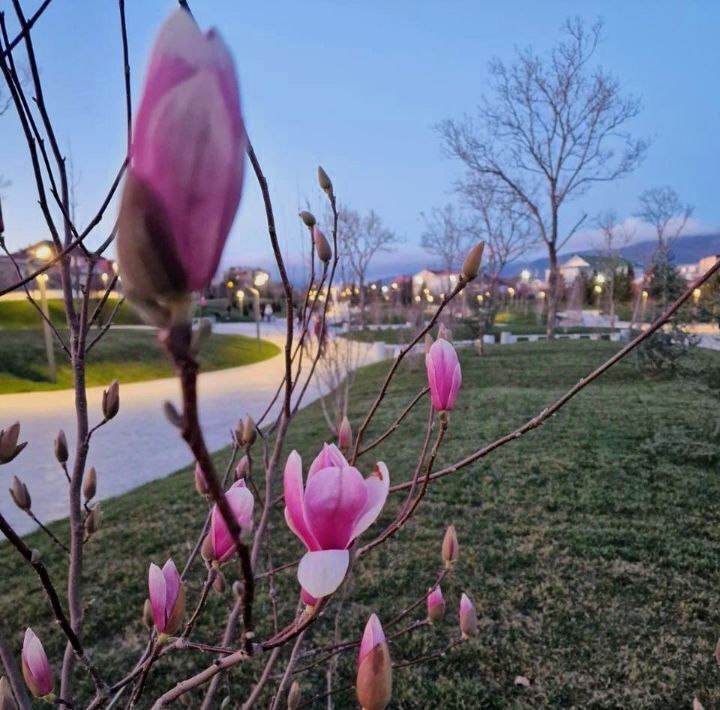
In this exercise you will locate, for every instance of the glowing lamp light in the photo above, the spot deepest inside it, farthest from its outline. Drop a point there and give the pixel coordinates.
(696, 294)
(511, 291)
(43, 252)
(261, 278)
(645, 295)
(600, 278)
(598, 288)
(525, 275)
(230, 284)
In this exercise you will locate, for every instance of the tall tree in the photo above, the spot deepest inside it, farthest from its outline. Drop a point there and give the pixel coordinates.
(662, 207)
(446, 235)
(552, 127)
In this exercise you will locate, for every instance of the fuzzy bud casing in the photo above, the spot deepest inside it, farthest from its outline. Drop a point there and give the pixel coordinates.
(308, 218)
(471, 265)
(450, 547)
(322, 246)
(92, 522)
(249, 431)
(9, 448)
(90, 483)
(468, 617)
(20, 494)
(374, 674)
(294, 696)
(345, 436)
(61, 447)
(324, 181)
(111, 400)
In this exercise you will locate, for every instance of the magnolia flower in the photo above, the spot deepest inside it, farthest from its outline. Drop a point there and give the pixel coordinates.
(335, 506)
(468, 617)
(435, 605)
(374, 674)
(167, 597)
(186, 168)
(241, 503)
(444, 375)
(35, 666)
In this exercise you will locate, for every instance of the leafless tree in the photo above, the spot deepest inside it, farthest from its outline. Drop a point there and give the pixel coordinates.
(361, 238)
(662, 207)
(446, 235)
(552, 128)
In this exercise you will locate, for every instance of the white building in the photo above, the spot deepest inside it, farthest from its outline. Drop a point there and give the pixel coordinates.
(436, 282)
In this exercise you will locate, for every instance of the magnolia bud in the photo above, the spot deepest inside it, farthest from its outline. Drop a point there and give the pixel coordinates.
(90, 483)
(172, 415)
(324, 181)
(6, 697)
(201, 485)
(148, 618)
(239, 432)
(435, 605)
(249, 431)
(219, 583)
(293, 698)
(345, 434)
(428, 342)
(471, 265)
(468, 617)
(242, 469)
(20, 494)
(374, 674)
(206, 550)
(9, 448)
(445, 333)
(92, 521)
(450, 546)
(322, 246)
(61, 447)
(308, 218)
(111, 400)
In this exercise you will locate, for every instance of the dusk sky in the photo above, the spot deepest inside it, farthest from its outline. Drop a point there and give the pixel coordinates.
(357, 86)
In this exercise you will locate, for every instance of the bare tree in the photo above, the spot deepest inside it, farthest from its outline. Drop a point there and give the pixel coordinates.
(662, 207)
(446, 235)
(553, 127)
(361, 238)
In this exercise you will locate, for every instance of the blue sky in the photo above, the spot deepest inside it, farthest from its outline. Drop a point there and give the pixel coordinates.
(357, 85)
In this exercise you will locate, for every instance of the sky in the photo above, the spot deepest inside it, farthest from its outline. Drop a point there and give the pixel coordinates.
(358, 86)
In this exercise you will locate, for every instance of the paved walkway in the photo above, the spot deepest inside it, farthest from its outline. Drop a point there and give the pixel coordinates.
(139, 445)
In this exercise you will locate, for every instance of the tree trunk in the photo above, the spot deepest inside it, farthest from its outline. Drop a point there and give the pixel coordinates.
(363, 316)
(552, 295)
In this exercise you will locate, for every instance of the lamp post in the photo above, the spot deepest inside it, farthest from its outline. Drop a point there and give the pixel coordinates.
(43, 253)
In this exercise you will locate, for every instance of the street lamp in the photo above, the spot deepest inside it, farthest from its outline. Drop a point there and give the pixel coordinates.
(44, 253)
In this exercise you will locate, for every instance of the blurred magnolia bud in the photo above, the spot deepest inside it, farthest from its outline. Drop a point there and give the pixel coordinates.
(322, 246)
(308, 218)
(471, 265)
(293, 698)
(237, 589)
(172, 415)
(6, 697)
(92, 522)
(468, 617)
(206, 550)
(450, 546)
(9, 448)
(90, 483)
(324, 181)
(435, 605)
(219, 583)
(201, 485)
(111, 400)
(239, 432)
(428, 342)
(374, 668)
(225, 703)
(148, 618)
(249, 431)
(445, 333)
(20, 494)
(242, 469)
(61, 447)
(345, 434)
(200, 335)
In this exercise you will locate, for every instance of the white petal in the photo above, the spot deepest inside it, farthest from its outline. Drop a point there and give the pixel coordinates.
(321, 573)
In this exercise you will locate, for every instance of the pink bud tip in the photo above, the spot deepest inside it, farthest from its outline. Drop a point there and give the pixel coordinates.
(436, 604)
(372, 636)
(468, 617)
(345, 434)
(35, 666)
(444, 375)
(167, 596)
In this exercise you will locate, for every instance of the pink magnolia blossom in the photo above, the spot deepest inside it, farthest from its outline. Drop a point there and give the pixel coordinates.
(186, 163)
(374, 674)
(334, 507)
(167, 597)
(35, 666)
(436, 605)
(468, 617)
(444, 375)
(242, 505)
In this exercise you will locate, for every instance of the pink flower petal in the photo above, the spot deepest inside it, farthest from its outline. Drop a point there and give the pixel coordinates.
(372, 636)
(320, 573)
(157, 589)
(329, 456)
(242, 504)
(172, 585)
(377, 485)
(36, 660)
(294, 500)
(334, 499)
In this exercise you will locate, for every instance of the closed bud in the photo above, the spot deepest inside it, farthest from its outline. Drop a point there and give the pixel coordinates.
(6, 697)
(374, 674)
(435, 605)
(148, 618)
(90, 483)
(219, 583)
(20, 494)
(468, 617)
(428, 342)
(206, 549)
(445, 333)
(92, 521)
(242, 469)
(322, 246)
(35, 666)
(201, 485)
(9, 447)
(239, 432)
(111, 400)
(249, 431)
(61, 447)
(293, 698)
(471, 265)
(172, 415)
(345, 434)
(450, 546)
(324, 181)
(308, 218)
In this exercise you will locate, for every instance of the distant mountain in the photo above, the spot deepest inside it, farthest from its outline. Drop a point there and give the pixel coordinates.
(687, 250)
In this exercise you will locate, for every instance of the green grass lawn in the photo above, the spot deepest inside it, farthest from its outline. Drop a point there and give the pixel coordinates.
(592, 546)
(126, 355)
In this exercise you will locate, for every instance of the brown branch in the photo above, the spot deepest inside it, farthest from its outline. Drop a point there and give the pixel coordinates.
(429, 656)
(212, 574)
(26, 28)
